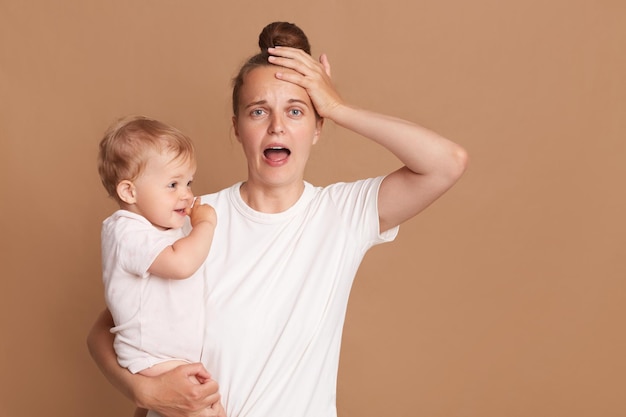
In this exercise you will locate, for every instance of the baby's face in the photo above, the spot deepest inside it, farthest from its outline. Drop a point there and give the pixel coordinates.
(163, 190)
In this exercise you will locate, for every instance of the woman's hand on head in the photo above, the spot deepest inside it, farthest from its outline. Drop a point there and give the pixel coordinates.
(177, 393)
(309, 74)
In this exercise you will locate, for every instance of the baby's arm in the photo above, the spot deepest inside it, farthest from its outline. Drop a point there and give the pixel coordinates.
(184, 257)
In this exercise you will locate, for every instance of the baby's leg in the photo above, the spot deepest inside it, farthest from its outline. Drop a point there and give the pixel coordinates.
(163, 367)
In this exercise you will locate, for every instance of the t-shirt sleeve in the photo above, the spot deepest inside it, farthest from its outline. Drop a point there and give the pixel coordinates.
(358, 203)
(139, 245)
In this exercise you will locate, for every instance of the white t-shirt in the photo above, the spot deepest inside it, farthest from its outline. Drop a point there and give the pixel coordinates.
(277, 292)
(155, 319)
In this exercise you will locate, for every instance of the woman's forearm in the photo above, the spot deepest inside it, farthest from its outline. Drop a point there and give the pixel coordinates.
(421, 150)
(175, 393)
(100, 344)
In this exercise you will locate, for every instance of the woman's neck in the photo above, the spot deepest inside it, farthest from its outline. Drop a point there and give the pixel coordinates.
(270, 200)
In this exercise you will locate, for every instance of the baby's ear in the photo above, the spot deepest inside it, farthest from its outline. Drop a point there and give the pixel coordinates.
(126, 192)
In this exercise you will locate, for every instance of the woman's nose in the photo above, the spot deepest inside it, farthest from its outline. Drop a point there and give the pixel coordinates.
(276, 125)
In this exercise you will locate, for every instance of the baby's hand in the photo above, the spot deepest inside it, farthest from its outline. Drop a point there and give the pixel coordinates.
(199, 213)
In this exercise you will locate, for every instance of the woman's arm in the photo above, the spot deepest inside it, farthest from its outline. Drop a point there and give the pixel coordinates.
(172, 394)
(432, 164)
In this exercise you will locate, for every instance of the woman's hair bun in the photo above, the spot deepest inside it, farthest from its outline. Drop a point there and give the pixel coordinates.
(283, 34)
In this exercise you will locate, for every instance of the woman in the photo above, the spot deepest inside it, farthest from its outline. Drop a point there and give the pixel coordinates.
(285, 252)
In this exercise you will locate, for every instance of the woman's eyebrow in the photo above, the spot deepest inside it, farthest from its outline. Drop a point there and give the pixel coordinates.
(255, 103)
(297, 100)
(263, 102)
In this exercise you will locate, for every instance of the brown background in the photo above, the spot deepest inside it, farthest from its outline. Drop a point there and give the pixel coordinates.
(505, 298)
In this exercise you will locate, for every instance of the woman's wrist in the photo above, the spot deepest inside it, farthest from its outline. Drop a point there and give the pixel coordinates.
(140, 391)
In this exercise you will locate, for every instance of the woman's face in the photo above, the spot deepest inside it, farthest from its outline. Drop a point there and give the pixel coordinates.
(276, 126)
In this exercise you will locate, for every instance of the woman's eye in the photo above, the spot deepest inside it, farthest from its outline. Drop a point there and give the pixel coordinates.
(295, 112)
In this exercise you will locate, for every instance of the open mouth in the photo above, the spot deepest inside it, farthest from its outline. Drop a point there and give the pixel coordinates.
(276, 153)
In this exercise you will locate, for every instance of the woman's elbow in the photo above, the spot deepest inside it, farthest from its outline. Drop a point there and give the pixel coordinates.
(99, 331)
(458, 163)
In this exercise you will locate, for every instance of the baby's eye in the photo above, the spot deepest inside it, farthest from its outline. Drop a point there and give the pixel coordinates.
(189, 184)
(172, 185)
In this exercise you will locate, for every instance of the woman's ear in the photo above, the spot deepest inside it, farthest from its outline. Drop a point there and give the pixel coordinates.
(234, 120)
(126, 192)
(319, 123)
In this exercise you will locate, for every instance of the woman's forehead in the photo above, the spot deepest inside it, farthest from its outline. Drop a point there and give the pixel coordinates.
(261, 84)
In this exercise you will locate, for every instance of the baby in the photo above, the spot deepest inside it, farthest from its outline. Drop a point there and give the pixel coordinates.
(149, 262)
